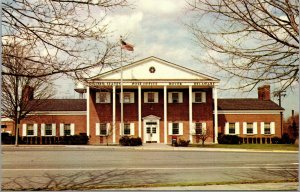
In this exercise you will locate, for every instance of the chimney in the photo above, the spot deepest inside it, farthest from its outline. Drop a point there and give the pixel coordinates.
(27, 93)
(264, 93)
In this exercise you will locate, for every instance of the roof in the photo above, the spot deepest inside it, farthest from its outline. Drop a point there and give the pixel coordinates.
(152, 58)
(223, 104)
(247, 104)
(61, 105)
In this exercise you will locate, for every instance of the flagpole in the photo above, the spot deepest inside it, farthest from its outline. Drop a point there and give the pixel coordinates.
(122, 118)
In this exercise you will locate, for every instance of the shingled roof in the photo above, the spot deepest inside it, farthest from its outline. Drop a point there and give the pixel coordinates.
(223, 104)
(247, 104)
(62, 105)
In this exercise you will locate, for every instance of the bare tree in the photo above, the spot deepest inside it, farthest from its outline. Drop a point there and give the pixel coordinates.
(206, 133)
(253, 40)
(24, 92)
(65, 36)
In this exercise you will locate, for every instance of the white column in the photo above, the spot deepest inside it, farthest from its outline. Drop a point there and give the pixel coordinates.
(190, 112)
(165, 115)
(140, 110)
(88, 111)
(114, 114)
(216, 113)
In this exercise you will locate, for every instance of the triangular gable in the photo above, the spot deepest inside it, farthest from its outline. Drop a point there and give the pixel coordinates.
(153, 68)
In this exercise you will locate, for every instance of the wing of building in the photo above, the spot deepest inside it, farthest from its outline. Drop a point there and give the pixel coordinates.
(160, 100)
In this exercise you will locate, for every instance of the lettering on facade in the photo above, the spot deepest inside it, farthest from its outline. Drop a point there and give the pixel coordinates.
(204, 83)
(144, 83)
(150, 83)
(105, 83)
(175, 83)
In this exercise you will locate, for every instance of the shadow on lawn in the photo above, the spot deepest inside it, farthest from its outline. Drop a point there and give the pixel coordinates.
(79, 180)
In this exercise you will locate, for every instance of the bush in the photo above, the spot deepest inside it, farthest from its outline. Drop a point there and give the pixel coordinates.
(285, 139)
(183, 143)
(228, 139)
(7, 139)
(130, 141)
(276, 140)
(75, 140)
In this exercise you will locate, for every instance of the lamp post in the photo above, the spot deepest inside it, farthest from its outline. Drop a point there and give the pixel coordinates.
(17, 131)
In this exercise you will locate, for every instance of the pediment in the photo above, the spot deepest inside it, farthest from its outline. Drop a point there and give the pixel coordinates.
(153, 68)
(151, 117)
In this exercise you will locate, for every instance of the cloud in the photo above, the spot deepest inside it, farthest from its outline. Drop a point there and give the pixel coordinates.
(160, 7)
(121, 24)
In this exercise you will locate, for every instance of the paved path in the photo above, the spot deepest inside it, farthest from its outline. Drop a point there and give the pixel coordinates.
(147, 146)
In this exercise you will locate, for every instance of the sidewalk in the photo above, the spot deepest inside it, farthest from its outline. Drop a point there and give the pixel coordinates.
(146, 146)
(291, 186)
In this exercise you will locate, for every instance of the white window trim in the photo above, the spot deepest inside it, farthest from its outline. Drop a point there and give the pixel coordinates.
(180, 97)
(132, 129)
(254, 128)
(62, 129)
(180, 128)
(156, 97)
(203, 97)
(194, 128)
(107, 97)
(131, 97)
(98, 131)
(35, 130)
(236, 128)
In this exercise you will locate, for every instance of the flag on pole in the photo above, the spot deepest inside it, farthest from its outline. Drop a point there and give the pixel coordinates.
(126, 46)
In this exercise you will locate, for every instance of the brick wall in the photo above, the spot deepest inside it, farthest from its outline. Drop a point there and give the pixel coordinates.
(250, 118)
(78, 120)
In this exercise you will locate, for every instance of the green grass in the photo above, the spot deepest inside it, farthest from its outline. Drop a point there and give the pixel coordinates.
(287, 147)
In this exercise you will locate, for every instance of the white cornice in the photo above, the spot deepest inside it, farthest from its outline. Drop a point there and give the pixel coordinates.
(276, 112)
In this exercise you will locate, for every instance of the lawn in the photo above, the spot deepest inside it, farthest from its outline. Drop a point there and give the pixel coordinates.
(289, 147)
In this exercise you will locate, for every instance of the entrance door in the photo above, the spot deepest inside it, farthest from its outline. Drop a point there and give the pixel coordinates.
(151, 132)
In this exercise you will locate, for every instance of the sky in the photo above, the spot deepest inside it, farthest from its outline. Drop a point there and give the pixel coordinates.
(156, 28)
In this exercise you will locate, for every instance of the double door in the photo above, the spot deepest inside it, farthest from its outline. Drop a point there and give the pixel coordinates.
(151, 134)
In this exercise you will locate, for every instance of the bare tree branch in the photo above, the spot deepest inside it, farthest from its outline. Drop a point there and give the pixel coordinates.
(255, 41)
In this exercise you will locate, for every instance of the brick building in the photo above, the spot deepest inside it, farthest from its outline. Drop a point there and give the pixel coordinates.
(160, 100)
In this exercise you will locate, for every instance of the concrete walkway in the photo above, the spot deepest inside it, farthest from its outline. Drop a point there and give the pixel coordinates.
(290, 186)
(146, 146)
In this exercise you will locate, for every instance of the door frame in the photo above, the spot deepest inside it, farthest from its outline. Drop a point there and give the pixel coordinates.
(151, 118)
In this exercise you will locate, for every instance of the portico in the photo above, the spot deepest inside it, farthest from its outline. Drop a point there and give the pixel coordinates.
(166, 102)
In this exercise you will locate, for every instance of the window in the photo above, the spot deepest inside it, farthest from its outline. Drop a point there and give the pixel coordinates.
(48, 129)
(67, 129)
(150, 97)
(30, 131)
(128, 97)
(126, 128)
(198, 128)
(103, 130)
(198, 97)
(175, 128)
(249, 128)
(175, 98)
(231, 128)
(267, 128)
(102, 97)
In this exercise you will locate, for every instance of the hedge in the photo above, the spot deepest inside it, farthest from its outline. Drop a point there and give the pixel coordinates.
(130, 141)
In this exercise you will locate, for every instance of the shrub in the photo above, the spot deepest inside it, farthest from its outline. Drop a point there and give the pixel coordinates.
(130, 141)
(183, 143)
(75, 140)
(7, 139)
(276, 140)
(228, 139)
(285, 139)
